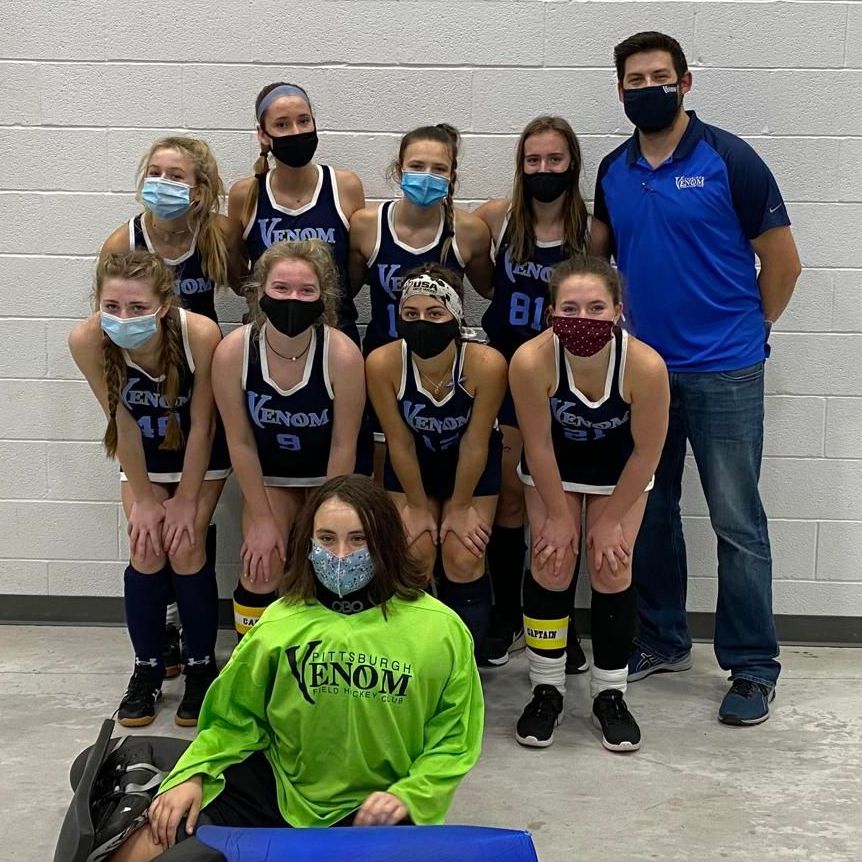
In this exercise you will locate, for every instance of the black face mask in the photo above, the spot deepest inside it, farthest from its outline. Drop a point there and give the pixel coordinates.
(291, 316)
(427, 339)
(653, 109)
(547, 186)
(296, 151)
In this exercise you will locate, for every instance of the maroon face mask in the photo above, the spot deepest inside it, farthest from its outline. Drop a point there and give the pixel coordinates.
(582, 336)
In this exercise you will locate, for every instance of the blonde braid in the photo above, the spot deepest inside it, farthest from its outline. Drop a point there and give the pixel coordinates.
(172, 360)
(115, 377)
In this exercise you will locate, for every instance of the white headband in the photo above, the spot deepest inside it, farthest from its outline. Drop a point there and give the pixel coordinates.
(426, 285)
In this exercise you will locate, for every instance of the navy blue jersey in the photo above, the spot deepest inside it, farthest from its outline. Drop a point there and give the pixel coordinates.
(592, 440)
(321, 218)
(292, 429)
(194, 288)
(681, 236)
(142, 397)
(389, 262)
(517, 311)
(437, 427)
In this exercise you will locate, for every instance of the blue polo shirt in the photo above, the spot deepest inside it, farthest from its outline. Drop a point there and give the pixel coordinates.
(681, 237)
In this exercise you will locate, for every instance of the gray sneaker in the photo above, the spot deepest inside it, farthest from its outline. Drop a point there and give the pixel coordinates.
(643, 663)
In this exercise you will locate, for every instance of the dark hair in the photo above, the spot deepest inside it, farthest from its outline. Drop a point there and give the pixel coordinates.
(261, 165)
(649, 40)
(586, 266)
(445, 134)
(396, 572)
(522, 235)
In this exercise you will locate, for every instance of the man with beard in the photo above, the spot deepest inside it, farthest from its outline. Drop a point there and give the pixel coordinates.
(684, 208)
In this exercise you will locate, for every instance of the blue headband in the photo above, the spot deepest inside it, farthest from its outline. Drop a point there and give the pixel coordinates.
(278, 93)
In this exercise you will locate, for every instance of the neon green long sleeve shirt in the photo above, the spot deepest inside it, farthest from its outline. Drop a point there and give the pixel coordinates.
(343, 706)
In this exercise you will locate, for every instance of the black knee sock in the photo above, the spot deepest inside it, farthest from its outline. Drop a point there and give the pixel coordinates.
(505, 553)
(197, 600)
(612, 623)
(248, 607)
(546, 617)
(573, 628)
(146, 599)
(472, 602)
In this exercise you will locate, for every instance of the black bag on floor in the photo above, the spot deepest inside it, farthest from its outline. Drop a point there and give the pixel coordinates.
(114, 782)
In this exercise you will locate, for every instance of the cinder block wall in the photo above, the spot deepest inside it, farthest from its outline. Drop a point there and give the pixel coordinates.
(85, 87)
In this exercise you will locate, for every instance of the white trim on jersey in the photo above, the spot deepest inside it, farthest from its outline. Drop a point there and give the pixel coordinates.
(326, 379)
(336, 197)
(305, 207)
(379, 237)
(246, 345)
(187, 346)
(306, 371)
(577, 487)
(390, 219)
(458, 256)
(173, 478)
(609, 377)
(622, 369)
(132, 233)
(170, 262)
(403, 386)
(456, 376)
(290, 482)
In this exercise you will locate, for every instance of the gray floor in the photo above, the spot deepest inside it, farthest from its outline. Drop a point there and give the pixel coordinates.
(790, 789)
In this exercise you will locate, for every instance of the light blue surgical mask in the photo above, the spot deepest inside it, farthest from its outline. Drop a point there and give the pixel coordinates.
(165, 198)
(341, 575)
(424, 189)
(129, 333)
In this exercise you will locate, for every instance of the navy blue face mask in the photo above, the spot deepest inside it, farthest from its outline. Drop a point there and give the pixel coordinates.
(652, 109)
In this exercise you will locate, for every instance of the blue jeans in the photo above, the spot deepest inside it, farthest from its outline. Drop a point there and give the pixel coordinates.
(721, 415)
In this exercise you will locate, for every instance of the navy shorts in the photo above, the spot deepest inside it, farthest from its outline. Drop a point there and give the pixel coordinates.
(438, 472)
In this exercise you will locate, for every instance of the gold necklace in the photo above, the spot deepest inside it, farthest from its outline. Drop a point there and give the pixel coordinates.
(167, 234)
(448, 384)
(282, 355)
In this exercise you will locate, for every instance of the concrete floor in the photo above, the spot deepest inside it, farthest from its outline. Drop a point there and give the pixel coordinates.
(790, 789)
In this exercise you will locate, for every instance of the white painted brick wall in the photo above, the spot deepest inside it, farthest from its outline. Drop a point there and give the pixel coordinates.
(85, 87)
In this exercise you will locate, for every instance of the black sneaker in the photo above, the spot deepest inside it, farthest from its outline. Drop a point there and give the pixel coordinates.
(504, 638)
(620, 731)
(171, 651)
(138, 706)
(541, 715)
(576, 661)
(198, 680)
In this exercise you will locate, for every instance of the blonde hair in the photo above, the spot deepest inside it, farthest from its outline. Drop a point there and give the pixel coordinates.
(150, 268)
(317, 254)
(205, 206)
(522, 236)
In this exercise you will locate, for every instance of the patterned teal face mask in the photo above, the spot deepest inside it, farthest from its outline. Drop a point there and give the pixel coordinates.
(341, 575)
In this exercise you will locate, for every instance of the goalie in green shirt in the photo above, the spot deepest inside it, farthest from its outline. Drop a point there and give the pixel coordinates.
(354, 701)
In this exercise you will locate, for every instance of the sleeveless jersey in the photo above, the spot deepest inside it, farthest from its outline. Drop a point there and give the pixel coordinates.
(592, 440)
(293, 428)
(194, 288)
(389, 262)
(436, 425)
(517, 311)
(142, 396)
(321, 218)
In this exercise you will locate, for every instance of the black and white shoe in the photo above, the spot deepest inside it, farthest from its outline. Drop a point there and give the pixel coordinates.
(576, 661)
(198, 681)
(138, 706)
(535, 727)
(503, 638)
(620, 731)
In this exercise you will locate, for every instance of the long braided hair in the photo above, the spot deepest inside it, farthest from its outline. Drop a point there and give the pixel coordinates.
(149, 268)
(449, 136)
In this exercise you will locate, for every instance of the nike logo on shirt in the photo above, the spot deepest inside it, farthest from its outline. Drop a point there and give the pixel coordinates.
(773, 209)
